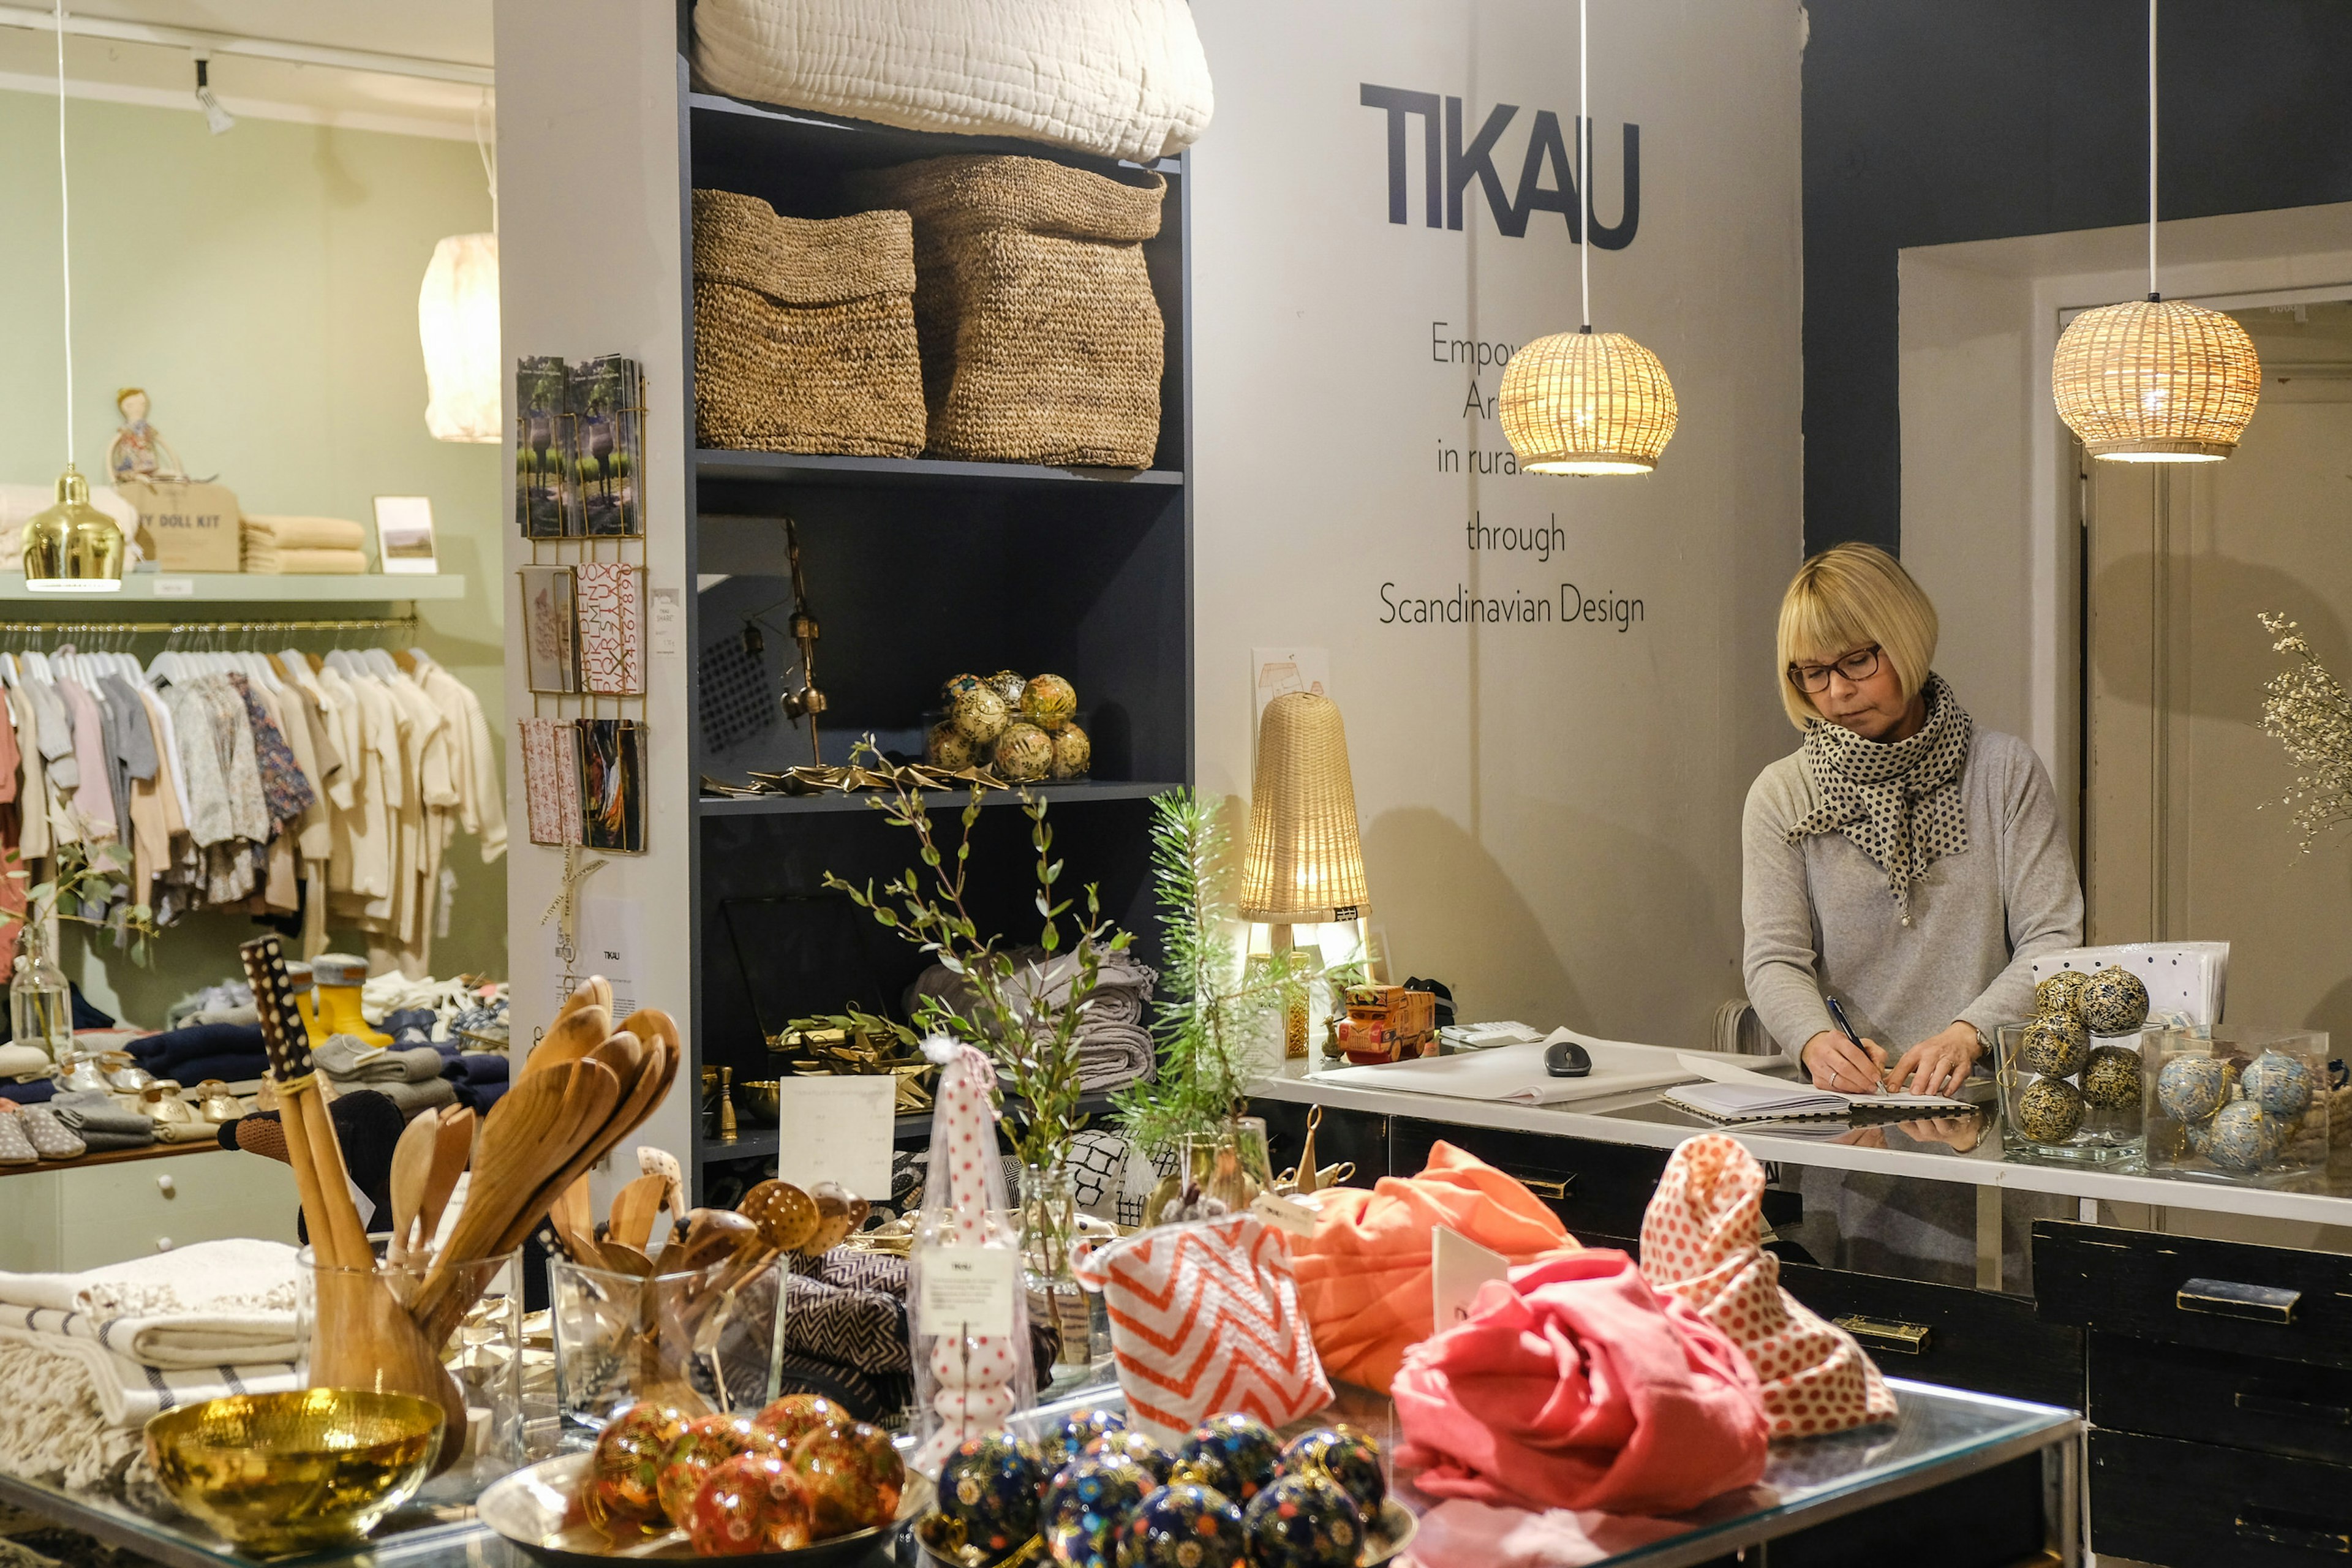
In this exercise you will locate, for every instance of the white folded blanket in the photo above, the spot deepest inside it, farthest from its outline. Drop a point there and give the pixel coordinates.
(238, 1276)
(170, 1342)
(20, 1063)
(306, 533)
(278, 562)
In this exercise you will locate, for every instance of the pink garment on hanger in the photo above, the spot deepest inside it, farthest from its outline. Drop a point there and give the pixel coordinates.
(91, 797)
(1573, 1384)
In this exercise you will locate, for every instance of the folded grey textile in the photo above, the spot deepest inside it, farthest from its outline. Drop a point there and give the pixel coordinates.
(105, 1142)
(415, 1098)
(1112, 1056)
(349, 1059)
(244, 1013)
(1117, 1004)
(1043, 984)
(93, 1110)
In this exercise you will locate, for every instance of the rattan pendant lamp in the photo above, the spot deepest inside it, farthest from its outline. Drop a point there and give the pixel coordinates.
(71, 547)
(1585, 401)
(2156, 380)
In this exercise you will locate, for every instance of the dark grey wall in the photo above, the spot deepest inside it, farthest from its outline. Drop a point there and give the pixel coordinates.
(1928, 122)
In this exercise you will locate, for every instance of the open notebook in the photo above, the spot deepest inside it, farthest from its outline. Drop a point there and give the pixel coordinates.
(1732, 1094)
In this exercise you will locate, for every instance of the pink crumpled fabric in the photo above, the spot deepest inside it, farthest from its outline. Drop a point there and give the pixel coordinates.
(1702, 1243)
(1576, 1385)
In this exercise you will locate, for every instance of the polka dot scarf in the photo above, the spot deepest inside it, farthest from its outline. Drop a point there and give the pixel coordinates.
(1900, 803)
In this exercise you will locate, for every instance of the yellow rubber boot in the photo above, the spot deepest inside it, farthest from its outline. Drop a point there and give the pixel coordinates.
(336, 981)
(300, 982)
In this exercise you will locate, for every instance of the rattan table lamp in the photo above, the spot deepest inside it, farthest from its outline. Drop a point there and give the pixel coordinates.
(1305, 860)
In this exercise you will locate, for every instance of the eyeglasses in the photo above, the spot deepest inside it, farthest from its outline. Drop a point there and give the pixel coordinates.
(1858, 665)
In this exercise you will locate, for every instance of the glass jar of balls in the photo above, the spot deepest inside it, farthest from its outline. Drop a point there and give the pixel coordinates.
(2237, 1102)
(2070, 1076)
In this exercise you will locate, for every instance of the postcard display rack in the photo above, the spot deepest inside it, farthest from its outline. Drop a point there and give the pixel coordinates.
(920, 569)
(579, 504)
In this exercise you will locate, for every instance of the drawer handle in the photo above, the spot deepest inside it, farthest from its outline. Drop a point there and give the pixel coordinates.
(1555, 1188)
(2277, 1526)
(1887, 1334)
(2294, 1409)
(2227, 1298)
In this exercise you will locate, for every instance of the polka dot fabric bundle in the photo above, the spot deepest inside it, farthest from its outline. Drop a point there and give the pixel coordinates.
(1702, 1243)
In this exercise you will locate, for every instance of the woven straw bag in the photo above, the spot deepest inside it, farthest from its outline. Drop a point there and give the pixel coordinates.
(1041, 340)
(804, 331)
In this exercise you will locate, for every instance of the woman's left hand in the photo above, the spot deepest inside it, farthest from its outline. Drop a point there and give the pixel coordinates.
(1938, 1064)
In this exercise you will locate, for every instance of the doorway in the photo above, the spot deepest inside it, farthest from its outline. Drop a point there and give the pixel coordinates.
(2185, 832)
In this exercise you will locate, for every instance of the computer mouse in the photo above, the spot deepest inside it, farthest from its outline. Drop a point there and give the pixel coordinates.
(1566, 1059)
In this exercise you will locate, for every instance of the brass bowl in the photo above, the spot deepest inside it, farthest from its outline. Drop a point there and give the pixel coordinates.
(274, 1473)
(763, 1097)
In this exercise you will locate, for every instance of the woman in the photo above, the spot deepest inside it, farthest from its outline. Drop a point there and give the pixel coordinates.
(1901, 860)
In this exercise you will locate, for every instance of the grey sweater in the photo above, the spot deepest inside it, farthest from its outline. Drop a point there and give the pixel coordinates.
(1821, 921)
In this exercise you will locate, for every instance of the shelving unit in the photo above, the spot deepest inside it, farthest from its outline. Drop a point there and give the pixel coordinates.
(243, 588)
(917, 569)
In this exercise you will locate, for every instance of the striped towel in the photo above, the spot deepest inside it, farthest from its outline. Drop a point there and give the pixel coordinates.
(170, 1342)
(128, 1393)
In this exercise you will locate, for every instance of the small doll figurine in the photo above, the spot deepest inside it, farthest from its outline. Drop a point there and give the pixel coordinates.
(138, 451)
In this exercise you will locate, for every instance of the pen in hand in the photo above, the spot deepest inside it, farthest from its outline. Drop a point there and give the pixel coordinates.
(1847, 1029)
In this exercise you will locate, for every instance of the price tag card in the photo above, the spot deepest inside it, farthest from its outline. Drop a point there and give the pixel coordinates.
(1458, 1267)
(839, 1130)
(968, 1290)
(1283, 1214)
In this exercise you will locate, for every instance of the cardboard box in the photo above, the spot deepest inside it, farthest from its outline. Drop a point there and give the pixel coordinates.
(187, 526)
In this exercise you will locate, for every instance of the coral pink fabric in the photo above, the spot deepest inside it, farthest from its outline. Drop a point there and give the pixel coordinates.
(1575, 1386)
(1364, 1275)
(1702, 1243)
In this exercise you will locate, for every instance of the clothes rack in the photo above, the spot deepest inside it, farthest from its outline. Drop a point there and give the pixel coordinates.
(180, 628)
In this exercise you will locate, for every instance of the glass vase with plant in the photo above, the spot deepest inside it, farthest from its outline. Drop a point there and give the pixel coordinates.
(89, 890)
(1028, 1028)
(1212, 1002)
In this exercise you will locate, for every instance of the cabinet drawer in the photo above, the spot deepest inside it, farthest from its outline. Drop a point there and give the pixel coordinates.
(1357, 1135)
(107, 1214)
(1599, 1189)
(1974, 1339)
(2270, 1303)
(2240, 1402)
(2194, 1505)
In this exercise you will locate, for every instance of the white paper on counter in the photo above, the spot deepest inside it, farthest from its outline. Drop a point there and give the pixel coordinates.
(1792, 1097)
(1516, 1073)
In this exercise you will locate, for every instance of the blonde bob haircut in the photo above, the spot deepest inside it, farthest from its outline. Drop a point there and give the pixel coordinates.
(1850, 596)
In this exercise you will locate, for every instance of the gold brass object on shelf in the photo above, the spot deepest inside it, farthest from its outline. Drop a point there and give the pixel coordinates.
(274, 1473)
(763, 1097)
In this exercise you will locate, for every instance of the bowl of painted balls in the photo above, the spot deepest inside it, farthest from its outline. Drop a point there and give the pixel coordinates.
(801, 1482)
(2237, 1102)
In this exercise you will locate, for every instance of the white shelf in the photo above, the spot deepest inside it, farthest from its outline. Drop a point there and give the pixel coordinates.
(166, 588)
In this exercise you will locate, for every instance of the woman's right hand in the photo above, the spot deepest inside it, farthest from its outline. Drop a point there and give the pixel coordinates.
(1836, 1063)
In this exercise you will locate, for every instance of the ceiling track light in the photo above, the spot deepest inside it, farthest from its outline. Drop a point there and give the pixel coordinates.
(219, 118)
(1587, 403)
(2156, 380)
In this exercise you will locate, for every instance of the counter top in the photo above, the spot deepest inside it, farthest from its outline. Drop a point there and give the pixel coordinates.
(1639, 1119)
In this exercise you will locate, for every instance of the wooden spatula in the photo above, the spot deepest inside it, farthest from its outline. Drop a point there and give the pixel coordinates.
(570, 1038)
(412, 1168)
(453, 1146)
(512, 1153)
(634, 1208)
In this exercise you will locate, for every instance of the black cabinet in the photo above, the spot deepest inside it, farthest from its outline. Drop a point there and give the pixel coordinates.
(1598, 1190)
(1359, 1137)
(1949, 1334)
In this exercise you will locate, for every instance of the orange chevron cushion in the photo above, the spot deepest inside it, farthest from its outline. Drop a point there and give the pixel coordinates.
(1204, 1319)
(1364, 1275)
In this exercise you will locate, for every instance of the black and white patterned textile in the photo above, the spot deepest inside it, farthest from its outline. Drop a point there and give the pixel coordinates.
(1098, 1170)
(1900, 803)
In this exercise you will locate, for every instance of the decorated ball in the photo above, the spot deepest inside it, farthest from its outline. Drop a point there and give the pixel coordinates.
(990, 1485)
(1048, 701)
(622, 1492)
(1237, 1455)
(753, 1503)
(2115, 1002)
(1007, 684)
(2061, 993)
(1344, 1456)
(945, 746)
(2279, 1083)
(2245, 1137)
(795, 1415)
(2192, 1087)
(1025, 753)
(979, 715)
(2050, 1110)
(1304, 1521)
(853, 1476)
(2054, 1045)
(1078, 1429)
(1088, 1507)
(1073, 752)
(1133, 1445)
(2111, 1077)
(955, 686)
(707, 1441)
(1184, 1526)
(2198, 1135)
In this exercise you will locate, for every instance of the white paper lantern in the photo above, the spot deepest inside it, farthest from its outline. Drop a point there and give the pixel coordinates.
(457, 318)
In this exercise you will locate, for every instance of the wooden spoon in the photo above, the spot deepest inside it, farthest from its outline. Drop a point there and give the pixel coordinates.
(651, 1024)
(634, 1209)
(568, 1039)
(711, 1236)
(661, 1162)
(453, 1146)
(786, 1215)
(623, 1053)
(596, 989)
(507, 1168)
(412, 1168)
(621, 1259)
(574, 1227)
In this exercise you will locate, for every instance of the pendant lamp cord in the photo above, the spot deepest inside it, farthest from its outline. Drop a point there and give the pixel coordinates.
(1583, 158)
(64, 230)
(2151, 150)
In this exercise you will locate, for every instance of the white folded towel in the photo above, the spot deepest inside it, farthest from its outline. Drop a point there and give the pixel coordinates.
(172, 1341)
(238, 1276)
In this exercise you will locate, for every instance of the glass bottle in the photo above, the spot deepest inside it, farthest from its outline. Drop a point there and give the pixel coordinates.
(40, 1003)
(1049, 1234)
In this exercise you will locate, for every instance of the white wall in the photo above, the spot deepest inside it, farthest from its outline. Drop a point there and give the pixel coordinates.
(1550, 812)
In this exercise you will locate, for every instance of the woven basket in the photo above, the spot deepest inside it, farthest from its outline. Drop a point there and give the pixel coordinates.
(804, 331)
(1041, 340)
